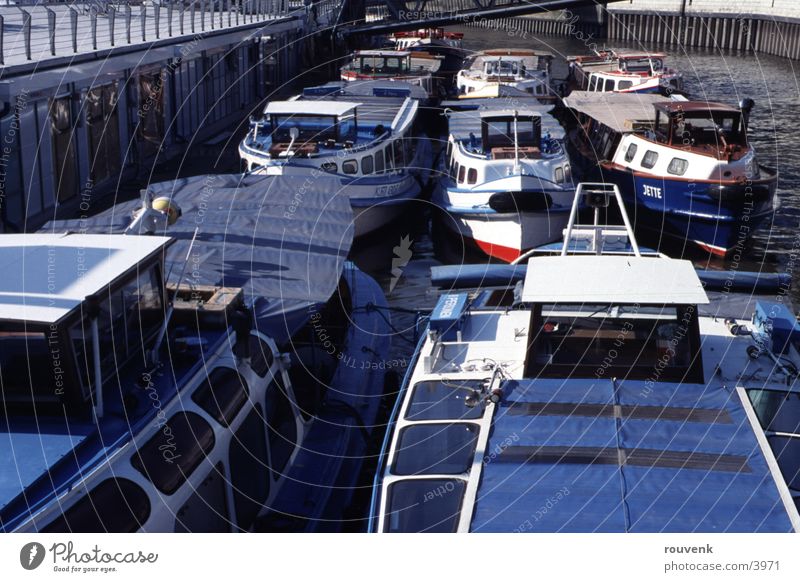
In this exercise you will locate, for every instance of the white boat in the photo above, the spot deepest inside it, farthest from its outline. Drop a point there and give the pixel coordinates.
(163, 368)
(506, 182)
(523, 69)
(367, 133)
(620, 72)
(594, 392)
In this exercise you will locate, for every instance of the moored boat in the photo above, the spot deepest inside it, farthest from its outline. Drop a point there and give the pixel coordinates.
(369, 134)
(685, 168)
(153, 379)
(505, 183)
(523, 69)
(621, 72)
(435, 41)
(603, 393)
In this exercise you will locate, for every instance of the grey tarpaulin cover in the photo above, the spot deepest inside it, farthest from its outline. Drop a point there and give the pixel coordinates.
(283, 239)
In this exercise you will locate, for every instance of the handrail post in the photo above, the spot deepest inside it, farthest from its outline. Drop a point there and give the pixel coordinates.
(157, 15)
(73, 24)
(112, 21)
(51, 29)
(2, 25)
(169, 18)
(143, 14)
(128, 18)
(26, 31)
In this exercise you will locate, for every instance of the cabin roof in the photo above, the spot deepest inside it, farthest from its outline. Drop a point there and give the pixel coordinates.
(382, 53)
(615, 109)
(612, 279)
(695, 106)
(46, 276)
(468, 121)
(492, 113)
(515, 53)
(316, 107)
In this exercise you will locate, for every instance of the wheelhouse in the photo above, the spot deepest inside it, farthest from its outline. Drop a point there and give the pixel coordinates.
(307, 124)
(384, 63)
(77, 311)
(699, 124)
(613, 316)
(504, 132)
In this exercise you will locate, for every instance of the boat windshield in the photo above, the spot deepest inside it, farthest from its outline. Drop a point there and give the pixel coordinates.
(502, 68)
(499, 132)
(626, 341)
(383, 65)
(705, 128)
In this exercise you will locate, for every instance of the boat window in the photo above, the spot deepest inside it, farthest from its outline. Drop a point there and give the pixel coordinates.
(472, 176)
(399, 162)
(703, 128)
(567, 173)
(27, 367)
(436, 449)
(249, 468)
(787, 452)
(631, 152)
(329, 167)
(499, 132)
(592, 82)
(649, 159)
(366, 165)
(379, 161)
(387, 156)
(588, 340)
(206, 511)
(424, 505)
(461, 172)
(222, 394)
(677, 166)
(176, 450)
(311, 128)
(609, 86)
(454, 172)
(130, 318)
(281, 425)
(624, 85)
(114, 506)
(446, 400)
(559, 175)
(350, 167)
(261, 356)
(776, 410)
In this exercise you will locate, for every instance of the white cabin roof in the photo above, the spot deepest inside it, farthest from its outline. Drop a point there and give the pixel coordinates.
(382, 53)
(614, 109)
(310, 107)
(490, 113)
(46, 276)
(612, 279)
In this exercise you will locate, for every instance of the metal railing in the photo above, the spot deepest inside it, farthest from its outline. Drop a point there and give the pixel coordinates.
(141, 21)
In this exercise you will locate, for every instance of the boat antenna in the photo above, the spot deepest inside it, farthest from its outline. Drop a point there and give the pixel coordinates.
(163, 331)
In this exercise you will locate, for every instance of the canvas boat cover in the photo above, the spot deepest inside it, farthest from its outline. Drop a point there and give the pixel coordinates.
(604, 455)
(282, 239)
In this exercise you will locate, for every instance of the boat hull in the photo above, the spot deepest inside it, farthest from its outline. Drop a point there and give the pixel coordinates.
(504, 233)
(713, 216)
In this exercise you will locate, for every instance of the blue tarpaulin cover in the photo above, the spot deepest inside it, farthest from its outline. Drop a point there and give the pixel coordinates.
(283, 239)
(619, 456)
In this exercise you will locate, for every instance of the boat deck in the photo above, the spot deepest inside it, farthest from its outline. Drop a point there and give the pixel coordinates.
(616, 110)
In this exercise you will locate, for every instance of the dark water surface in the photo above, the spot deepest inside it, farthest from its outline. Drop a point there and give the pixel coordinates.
(726, 76)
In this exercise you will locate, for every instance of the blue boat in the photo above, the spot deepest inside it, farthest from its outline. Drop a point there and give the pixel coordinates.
(602, 392)
(179, 363)
(368, 133)
(685, 168)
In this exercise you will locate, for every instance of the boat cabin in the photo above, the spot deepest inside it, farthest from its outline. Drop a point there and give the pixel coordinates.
(509, 134)
(631, 317)
(700, 125)
(381, 62)
(305, 124)
(74, 310)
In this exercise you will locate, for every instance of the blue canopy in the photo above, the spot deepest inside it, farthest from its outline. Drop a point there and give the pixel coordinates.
(282, 239)
(621, 456)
